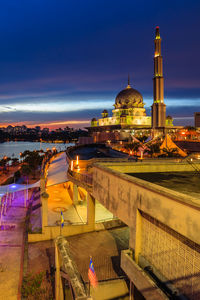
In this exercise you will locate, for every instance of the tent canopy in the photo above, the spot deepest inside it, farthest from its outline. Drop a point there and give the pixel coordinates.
(14, 187)
(169, 144)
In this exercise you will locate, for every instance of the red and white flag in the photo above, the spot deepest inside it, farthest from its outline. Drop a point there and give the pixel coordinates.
(92, 275)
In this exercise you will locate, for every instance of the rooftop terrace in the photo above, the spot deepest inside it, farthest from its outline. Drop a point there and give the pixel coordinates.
(95, 151)
(183, 182)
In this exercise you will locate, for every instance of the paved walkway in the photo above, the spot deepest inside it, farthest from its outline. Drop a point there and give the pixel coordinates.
(103, 246)
(11, 248)
(60, 200)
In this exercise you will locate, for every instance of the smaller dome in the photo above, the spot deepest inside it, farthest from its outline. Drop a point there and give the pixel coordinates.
(94, 119)
(169, 118)
(105, 111)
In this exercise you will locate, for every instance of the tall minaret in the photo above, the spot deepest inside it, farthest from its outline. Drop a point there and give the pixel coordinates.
(158, 109)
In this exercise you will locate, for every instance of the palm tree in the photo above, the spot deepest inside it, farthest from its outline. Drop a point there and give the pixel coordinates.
(170, 152)
(15, 161)
(25, 170)
(132, 147)
(33, 160)
(25, 153)
(152, 149)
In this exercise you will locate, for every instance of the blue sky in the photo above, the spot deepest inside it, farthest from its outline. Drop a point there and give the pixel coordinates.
(65, 61)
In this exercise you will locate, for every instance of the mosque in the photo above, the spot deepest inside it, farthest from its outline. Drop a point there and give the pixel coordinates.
(129, 115)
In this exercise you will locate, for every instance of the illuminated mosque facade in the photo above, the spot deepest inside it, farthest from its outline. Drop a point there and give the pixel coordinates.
(129, 115)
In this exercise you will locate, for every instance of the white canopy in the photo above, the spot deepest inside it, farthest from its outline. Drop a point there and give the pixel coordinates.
(57, 172)
(14, 187)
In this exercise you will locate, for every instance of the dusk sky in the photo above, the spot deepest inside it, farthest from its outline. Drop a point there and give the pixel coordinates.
(63, 62)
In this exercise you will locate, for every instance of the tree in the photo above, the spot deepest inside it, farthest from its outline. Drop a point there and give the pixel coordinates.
(17, 175)
(132, 147)
(152, 149)
(25, 170)
(25, 153)
(170, 152)
(15, 161)
(33, 160)
(190, 128)
(142, 138)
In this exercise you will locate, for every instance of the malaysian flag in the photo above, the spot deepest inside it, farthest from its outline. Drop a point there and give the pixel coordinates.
(62, 222)
(92, 275)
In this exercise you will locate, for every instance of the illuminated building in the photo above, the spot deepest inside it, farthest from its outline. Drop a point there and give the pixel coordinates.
(197, 119)
(158, 108)
(129, 115)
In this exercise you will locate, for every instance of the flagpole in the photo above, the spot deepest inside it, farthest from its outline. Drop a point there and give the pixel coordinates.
(89, 279)
(89, 288)
(61, 222)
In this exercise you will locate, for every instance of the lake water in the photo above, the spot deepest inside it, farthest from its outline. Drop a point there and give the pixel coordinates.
(13, 149)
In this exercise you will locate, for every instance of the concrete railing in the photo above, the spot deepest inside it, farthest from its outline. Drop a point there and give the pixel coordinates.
(64, 259)
(86, 178)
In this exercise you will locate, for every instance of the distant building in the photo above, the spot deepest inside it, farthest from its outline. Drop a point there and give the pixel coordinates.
(45, 130)
(197, 119)
(37, 128)
(129, 115)
(9, 129)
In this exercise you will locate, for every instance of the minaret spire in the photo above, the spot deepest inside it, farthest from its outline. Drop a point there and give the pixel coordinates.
(158, 107)
(128, 86)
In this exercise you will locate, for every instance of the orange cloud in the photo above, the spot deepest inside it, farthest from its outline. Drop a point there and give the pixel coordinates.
(51, 125)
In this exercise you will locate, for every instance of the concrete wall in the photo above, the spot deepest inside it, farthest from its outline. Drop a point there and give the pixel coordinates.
(123, 195)
(150, 166)
(51, 232)
(164, 228)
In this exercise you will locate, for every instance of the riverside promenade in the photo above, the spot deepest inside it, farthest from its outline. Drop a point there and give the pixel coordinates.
(12, 248)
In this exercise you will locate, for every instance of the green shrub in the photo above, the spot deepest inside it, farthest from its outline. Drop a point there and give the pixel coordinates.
(17, 175)
(32, 287)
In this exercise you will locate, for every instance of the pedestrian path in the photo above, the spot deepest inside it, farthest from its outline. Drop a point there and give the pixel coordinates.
(61, 200)
(11, 247)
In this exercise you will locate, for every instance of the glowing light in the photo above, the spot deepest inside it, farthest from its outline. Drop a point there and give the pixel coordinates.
(72, 165)
(141, 155)
(77, 160)
(13, 186)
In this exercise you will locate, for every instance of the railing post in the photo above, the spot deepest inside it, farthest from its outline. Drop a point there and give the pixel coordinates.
(75, 194)
(44, 201)
(138, 235)
(58, 281)
(90, 210)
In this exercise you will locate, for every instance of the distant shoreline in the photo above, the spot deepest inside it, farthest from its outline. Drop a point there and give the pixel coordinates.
(38, 141)
(13, 148)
